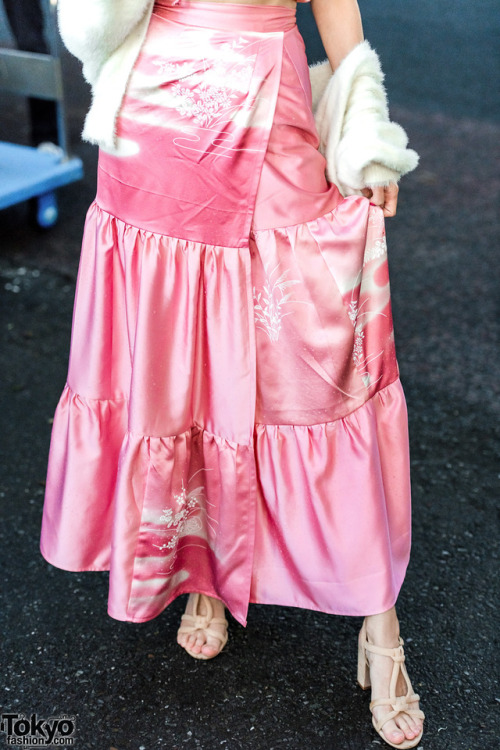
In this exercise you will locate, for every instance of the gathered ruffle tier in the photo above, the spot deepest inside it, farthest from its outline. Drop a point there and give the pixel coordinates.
(178, 477)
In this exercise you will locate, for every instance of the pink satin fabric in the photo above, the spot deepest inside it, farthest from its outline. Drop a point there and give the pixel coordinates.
(233, 422)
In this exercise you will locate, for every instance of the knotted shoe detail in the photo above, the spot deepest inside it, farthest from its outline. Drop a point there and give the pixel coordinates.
(398, 703)
(192, 623)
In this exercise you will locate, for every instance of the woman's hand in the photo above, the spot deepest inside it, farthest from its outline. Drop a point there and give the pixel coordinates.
(385, 197)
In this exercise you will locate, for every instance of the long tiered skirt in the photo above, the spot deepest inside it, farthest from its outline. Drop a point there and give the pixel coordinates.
(233, 421)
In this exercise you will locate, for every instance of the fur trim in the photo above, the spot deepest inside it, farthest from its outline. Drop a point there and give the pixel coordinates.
(319, 75)
(109, 89)
(107, 36)
(361, 146)
(93, 29)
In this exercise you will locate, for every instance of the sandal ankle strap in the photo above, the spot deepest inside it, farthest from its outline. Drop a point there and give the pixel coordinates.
(396, 654)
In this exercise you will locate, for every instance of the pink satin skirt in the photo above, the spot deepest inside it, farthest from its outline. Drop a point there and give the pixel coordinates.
(233, 421)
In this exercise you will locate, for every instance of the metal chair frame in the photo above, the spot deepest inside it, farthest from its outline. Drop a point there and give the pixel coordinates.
(36, 75)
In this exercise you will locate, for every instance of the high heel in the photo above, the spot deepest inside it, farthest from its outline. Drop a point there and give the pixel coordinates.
(191, 623)
(399, 703)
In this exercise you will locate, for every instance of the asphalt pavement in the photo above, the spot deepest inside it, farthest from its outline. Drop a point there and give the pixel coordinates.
(288, 679)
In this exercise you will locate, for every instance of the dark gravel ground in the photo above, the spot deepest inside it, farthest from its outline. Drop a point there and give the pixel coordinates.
(288, 679)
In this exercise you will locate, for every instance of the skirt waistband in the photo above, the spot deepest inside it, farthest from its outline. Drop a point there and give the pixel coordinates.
(226, 16)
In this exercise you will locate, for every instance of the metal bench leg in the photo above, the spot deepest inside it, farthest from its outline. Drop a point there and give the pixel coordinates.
(47, 211)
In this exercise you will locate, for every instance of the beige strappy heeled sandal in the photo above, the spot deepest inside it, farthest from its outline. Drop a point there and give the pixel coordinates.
(191, 623)
(399, 703)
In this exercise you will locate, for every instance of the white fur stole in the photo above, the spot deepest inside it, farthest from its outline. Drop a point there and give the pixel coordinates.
(362, 147)
(106, 35)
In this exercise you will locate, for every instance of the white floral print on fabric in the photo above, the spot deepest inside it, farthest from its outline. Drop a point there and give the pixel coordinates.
(360, 357)
(270, 302)
(357, 352)
(210, 91)
(368, 299)
(377, 250)
(205, 104)
(188, 517)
